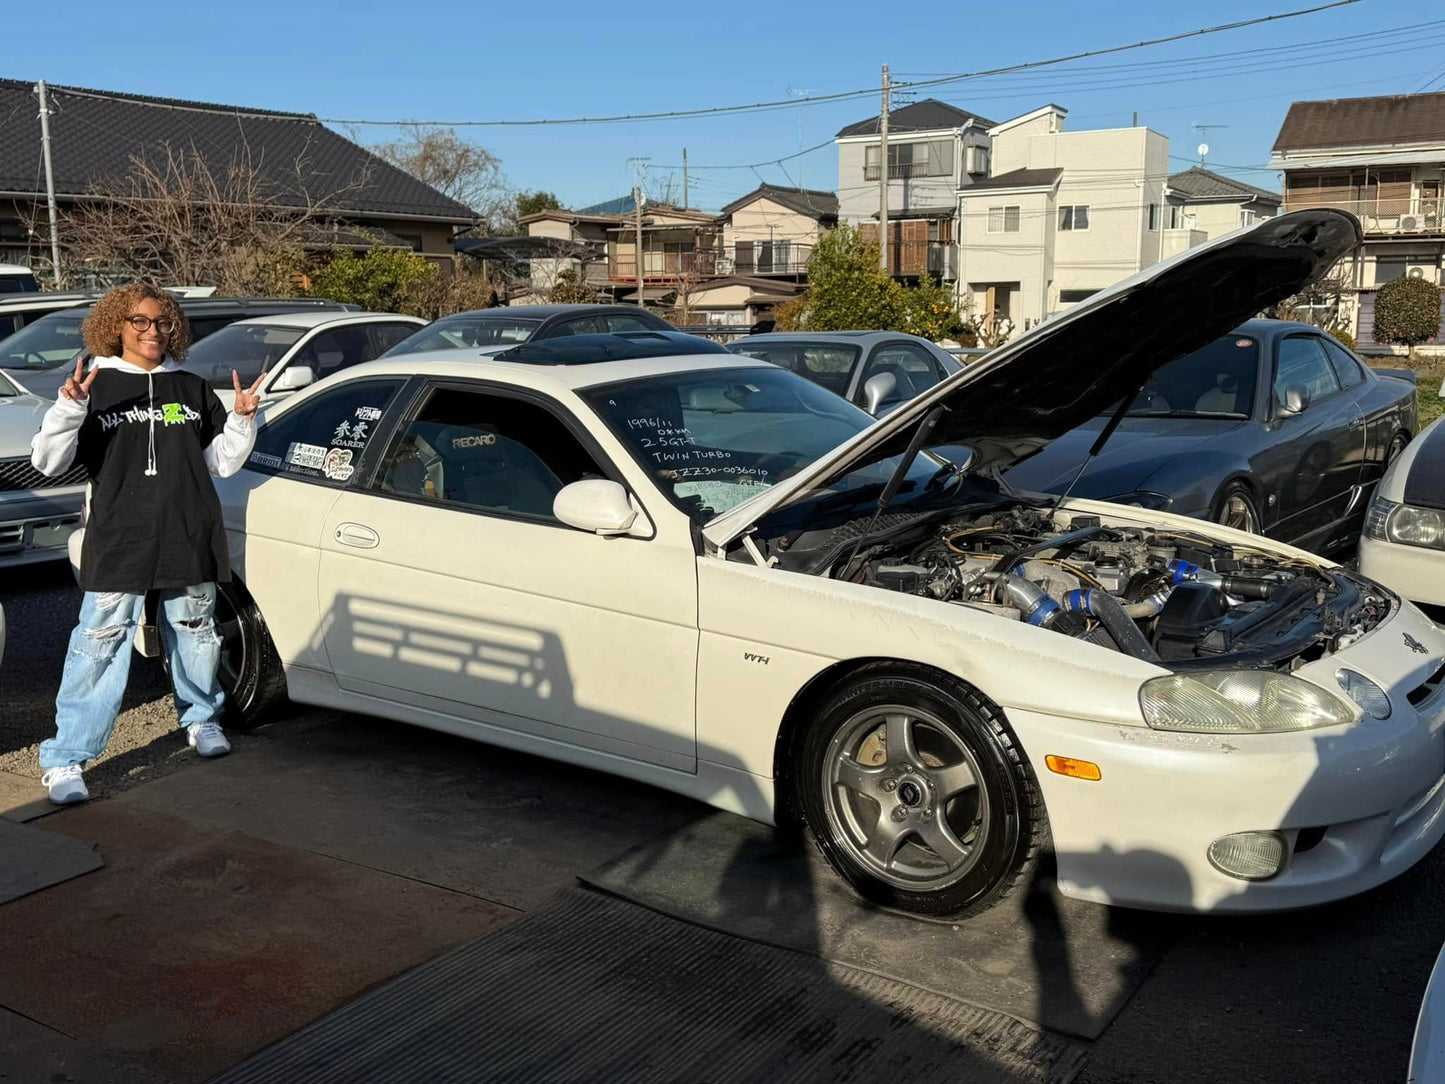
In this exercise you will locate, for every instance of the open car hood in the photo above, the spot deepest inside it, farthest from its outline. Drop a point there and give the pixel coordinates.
(1074, 366)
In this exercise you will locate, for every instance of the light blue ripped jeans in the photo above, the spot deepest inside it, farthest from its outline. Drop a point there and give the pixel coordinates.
(98, 664)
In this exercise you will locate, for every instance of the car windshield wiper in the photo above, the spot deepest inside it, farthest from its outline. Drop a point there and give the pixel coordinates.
(1185, 414)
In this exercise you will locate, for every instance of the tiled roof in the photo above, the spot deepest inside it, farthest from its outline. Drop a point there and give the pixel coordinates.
(927, 115)
(812, 202)
(1200, 183)
(95, 134)
(1017, 178)
(1354, 122)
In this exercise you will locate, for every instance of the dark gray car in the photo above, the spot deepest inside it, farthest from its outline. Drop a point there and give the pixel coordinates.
(845, 362)
(1274, 428)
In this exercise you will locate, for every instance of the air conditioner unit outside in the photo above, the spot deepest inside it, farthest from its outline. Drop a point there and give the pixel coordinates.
(1409, 222)
(1420, 271)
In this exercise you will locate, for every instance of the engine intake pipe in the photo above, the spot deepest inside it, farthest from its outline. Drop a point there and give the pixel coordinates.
(1110, 613)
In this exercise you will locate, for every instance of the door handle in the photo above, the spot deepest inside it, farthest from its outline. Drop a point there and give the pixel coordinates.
(1356, 420)
(354, 534)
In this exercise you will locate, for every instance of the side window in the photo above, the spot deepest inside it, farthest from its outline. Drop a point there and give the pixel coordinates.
(324, 437)
(1302, 363)
(332, 351)
(201, 326)
(486, 452)
(1345, 365)
(914, 371)
(385, 336)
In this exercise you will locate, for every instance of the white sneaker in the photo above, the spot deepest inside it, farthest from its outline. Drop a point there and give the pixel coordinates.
(65, 784)
(207, 739)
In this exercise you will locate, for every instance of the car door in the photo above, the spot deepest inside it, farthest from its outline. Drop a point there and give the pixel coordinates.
(446, 583)
(1319, 450)
(913, 369)
(1378, 417)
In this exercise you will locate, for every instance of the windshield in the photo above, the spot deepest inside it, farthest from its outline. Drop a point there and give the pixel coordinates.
(468, 329)
(247, 348)
(1217, 380)
(711, 440)
(828, 364)
(47, 343)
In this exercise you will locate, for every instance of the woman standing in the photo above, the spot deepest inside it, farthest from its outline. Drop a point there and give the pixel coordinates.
(149, 435)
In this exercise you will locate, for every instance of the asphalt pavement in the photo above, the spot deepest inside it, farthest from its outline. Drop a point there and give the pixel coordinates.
(331, 853)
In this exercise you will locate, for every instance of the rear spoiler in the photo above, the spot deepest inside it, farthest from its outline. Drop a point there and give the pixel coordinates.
(1401, 374)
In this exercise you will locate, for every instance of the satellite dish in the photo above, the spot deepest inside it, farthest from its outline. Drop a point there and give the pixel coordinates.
(1203, 149)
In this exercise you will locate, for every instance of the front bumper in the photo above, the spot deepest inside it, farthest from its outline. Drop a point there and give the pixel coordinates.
(1357, 804)
(36, 526)
(1415, 572)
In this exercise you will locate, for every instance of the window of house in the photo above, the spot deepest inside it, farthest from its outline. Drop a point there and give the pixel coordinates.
(491, 453)
(931, 158)
(978, 161)
(1247, 217)
(323, 439)
(1073, 297)
(1003, 220)
(1153, 216)
(1176, 216)
(1074, 217)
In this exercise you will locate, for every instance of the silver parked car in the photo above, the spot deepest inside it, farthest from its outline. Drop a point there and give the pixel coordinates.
(37, 514)
(877, 370)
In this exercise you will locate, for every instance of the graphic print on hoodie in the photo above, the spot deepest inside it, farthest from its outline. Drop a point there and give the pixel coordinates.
(155, 519)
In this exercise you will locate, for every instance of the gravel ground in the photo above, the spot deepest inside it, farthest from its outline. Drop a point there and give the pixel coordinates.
(41, 603)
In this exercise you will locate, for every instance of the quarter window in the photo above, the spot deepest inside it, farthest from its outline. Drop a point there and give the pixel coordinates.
(322, 439)
(491, 453)
(1344, 363)
(1302, 364)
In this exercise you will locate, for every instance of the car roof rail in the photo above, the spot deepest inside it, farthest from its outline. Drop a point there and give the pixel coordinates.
(614, 346)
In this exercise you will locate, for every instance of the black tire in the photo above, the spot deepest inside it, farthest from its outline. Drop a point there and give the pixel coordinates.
(250, 671)
(991, 828)
(1398, 445)
(1234, 505)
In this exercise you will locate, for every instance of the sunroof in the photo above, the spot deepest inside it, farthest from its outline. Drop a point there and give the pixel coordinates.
(619, 346)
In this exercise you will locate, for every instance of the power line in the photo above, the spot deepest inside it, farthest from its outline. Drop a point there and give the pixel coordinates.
(786, 103)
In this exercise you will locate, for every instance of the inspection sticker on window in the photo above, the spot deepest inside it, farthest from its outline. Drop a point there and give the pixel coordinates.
(337, 464)
(306, 455)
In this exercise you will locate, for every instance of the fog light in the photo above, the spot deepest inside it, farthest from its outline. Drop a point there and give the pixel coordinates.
(1364, 692)
(1250, 856)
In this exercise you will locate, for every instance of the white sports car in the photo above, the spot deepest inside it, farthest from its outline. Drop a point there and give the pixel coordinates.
(1403, 546)
(710, 575)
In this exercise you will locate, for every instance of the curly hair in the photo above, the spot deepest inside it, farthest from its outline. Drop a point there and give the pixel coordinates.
(103, 326)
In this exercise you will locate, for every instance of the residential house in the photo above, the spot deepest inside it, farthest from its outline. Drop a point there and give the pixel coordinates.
(741, 302)
(772, 230)
(1201, 200)
(1060, 216)
(680, 248)
(95, 135)
(934, 150)
(1384, 160)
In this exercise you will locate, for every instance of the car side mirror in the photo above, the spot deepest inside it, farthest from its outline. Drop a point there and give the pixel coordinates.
(294, 378)
(595, 504)
(877, 390)
(1296, 400)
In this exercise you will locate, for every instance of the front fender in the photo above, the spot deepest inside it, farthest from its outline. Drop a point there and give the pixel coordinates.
(1196, 479)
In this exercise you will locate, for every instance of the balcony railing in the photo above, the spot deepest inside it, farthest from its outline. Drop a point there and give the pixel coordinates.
(907, 259)
(765, 258)
(907, 171)
(1387, 216)
(665, 266)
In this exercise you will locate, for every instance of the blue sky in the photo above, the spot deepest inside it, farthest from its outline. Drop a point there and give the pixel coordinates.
(446, 60)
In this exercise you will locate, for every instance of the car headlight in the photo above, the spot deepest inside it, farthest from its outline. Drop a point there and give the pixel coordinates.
(1411, 526)
(1159, 502)
(1239, 702)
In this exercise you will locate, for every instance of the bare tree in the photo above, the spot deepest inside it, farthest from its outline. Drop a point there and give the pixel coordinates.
(466, 172)
(559, 269)
(176, 220)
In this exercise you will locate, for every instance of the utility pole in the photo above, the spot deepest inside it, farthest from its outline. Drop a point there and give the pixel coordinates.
(883, 176)
(637, 203)
(684, 178)
(49, 180)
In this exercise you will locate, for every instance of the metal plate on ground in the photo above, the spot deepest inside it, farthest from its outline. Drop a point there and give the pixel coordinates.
(592, 988)
(1062, 964)
(32, 859)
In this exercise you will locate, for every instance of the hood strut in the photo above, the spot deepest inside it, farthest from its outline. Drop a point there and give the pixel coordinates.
(1098, 445)
(895, 481)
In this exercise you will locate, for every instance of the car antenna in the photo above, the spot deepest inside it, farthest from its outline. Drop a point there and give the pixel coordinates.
(1097, 446)
(895, 480)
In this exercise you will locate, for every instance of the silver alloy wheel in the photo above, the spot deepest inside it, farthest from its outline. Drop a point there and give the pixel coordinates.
(902, 794)
(1238, 512)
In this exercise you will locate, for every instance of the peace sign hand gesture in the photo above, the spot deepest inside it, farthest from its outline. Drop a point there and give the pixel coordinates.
(75, 387)
(246, 399)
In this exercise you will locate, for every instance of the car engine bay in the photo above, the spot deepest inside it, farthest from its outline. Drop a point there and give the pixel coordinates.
(1173, 597)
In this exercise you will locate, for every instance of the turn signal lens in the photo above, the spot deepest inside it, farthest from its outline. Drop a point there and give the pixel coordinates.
(1250, 856)
(1364, 692)
(1075, 769)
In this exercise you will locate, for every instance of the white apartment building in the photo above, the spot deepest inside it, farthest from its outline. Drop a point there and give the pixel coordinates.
(1061, 215)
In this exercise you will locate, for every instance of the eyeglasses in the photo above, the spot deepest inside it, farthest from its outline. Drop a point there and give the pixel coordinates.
(165, 325)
